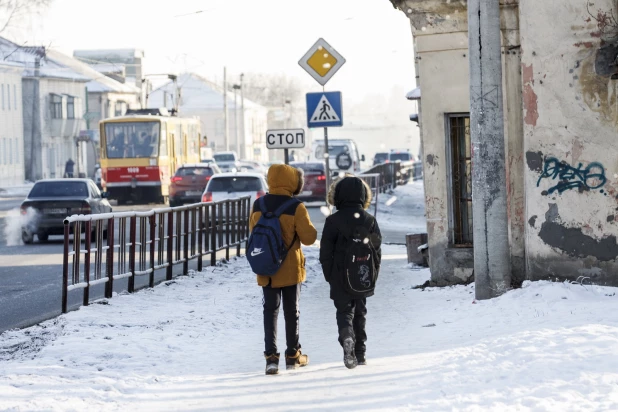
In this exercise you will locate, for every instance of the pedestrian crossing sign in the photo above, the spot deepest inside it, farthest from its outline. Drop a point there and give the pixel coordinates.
(324, 109)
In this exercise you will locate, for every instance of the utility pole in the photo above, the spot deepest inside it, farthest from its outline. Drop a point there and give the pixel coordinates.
(492, 266)
(226, 132)
(242, 117)
(236, 87)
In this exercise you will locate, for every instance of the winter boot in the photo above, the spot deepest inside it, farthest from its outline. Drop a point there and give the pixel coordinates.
(272, 364)
(296, 361)
(360, 358)
(349, 357)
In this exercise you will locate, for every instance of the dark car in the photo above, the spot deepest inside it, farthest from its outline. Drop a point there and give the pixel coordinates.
(401, 156)
(189, 182)
(52, 200)
(315, 180)
(380, 157)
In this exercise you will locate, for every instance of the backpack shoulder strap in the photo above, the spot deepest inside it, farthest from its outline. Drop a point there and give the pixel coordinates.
(262, 205)
(284, 206)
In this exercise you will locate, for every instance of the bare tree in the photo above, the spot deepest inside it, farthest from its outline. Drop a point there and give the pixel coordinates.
(12, 11)
(272, 90)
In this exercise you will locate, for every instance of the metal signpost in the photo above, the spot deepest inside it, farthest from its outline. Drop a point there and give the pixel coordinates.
(285, 139)
(324, 109)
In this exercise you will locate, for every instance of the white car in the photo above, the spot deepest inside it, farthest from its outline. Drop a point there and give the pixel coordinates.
(224, 186)
(227, 161)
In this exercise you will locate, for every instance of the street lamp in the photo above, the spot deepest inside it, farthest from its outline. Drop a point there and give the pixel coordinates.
(237, 87)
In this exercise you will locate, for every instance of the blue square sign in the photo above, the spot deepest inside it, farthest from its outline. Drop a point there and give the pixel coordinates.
(324, 109)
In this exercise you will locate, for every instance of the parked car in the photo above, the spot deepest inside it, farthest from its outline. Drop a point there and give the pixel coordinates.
(380, 157)
(234, 185)
(189, 182)
(342, 155)
(315, 180)
(252, 166)
(52, 200)
(400, 156)
(227, 161)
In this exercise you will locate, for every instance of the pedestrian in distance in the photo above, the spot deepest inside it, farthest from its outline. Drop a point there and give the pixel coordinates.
(68, 168)
(279, 223)
(350, 255)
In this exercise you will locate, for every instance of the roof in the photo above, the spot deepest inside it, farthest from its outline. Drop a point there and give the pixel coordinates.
(28, 55)
(54, 64)
(99, 82)
(63, 179)
(197, 92)
(414, 94)
(237, 174)
(203, 164)
(110, 54)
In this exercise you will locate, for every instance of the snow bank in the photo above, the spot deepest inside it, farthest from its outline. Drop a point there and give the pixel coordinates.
(403, 209)
(196, 343)
(16, 191)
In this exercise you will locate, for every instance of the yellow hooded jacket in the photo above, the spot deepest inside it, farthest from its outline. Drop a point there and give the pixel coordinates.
(283, 182)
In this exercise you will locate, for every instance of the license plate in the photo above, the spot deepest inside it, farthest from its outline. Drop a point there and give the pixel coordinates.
(307, 193)
(193, 193)
(55, 211)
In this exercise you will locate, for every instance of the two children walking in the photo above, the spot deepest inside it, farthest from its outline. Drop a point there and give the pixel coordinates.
(349, 255)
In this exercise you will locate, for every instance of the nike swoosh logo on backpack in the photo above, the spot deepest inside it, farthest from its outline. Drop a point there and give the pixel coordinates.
(259, 252)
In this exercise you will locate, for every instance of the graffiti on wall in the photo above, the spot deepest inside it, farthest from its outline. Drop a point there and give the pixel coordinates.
(566, 177)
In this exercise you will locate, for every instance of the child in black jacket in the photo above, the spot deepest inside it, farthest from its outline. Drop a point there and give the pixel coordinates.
(351, 196)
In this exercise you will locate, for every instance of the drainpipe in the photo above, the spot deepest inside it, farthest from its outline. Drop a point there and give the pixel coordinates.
(492, 266)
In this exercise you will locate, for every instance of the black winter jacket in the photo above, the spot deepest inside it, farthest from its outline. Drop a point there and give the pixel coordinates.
(350, 201)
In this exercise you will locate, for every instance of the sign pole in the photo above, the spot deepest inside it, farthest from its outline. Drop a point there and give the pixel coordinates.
(327, 163)
(286, 156)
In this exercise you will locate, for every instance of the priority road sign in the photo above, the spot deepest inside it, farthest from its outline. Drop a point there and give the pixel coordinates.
(322, 61)
(285, 139)
(324, 109)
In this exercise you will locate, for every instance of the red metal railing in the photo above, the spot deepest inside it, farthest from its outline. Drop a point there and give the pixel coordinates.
(157, 239)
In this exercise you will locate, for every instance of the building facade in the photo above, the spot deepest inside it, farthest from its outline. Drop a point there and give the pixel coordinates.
(560, 111)
(204, 99)
(11, 125)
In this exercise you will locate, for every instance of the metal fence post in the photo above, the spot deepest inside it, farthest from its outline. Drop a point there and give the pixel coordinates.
(153, 236)
(200, 237)
(65, 268)
(227, 231)
(213, 234)
(109, 266)
(170, 245)
(87, 262)
(132, 247)
(185, 265)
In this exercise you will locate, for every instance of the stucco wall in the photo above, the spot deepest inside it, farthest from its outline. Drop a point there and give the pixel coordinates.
(11, 127)
(50, 142)
(570, 120)
(441, 51)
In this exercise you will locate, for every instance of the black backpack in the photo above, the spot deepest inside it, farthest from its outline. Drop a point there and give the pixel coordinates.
(359, 265)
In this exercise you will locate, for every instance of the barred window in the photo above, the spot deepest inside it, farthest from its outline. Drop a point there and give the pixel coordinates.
(461, 178)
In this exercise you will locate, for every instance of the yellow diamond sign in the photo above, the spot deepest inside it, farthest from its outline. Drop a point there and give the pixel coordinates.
(322, 61)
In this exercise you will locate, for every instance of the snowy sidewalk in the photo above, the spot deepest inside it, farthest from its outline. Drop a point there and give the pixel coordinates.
(196, 343)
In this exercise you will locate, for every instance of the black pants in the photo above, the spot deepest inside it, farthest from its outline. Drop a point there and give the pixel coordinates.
(351, 320)
(271, 302)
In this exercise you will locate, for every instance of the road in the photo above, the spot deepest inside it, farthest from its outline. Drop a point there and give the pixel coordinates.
(31, 275)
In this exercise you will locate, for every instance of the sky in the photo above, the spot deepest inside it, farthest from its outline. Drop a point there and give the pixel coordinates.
(244, 36)
(196, 343)
(268, 36)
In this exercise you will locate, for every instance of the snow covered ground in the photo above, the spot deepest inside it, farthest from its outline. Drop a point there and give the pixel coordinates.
(403, 209)
(196, 343)
(16, 191)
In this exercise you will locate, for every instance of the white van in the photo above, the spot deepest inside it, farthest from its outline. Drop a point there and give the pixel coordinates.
(342, 154)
